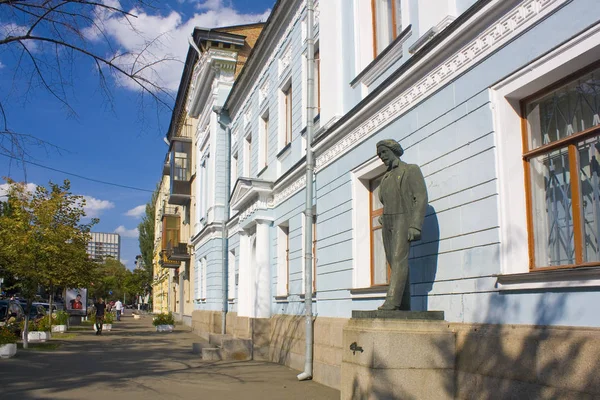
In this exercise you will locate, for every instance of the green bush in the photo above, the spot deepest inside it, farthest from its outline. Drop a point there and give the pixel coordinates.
(7, 336)
(163, 319)
(109, 318)
(60, 318)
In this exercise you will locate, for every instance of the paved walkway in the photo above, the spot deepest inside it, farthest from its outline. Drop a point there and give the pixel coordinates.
(134, 362)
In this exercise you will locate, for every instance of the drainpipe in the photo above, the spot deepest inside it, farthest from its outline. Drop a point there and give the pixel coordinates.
(224, 240)
(310, 49)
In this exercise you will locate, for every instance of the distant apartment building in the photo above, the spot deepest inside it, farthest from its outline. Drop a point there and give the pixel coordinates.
(104, 245)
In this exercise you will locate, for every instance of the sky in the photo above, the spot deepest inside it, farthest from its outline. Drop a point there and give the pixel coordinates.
(116, 139)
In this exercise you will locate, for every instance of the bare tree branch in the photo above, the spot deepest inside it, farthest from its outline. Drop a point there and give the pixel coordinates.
(46, 36)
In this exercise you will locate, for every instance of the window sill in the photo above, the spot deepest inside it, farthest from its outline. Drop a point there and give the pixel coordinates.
(284, 150)
(373, 292)
(560, 278)
(314, 296)
(383, 61)
(281, 299)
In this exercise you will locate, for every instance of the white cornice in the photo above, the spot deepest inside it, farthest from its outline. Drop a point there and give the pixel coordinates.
(504, 29)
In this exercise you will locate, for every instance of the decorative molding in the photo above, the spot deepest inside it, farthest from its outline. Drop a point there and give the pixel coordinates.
(514, 22)
(247, 116)
(289, 190)
(272, 58)
(263, 91)
(285, 60)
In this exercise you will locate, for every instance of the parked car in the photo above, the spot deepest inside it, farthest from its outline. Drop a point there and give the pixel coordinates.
(10, 311)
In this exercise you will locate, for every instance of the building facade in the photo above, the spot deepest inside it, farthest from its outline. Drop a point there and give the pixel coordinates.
(497, 102)
(102, 245)
(190, 207)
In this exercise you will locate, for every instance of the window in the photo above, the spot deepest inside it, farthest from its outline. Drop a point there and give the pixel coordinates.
(317, 77)
(234, 170)
(204, 272)
(263, 134)
(247, 155)
(287, 94)
(387, 23)
(283, 259)
(231, 275)
(379, 266)
(561, 140)
(170, 237)
(314, 251)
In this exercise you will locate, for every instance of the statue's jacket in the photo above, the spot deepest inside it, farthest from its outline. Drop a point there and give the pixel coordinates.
(403, 191)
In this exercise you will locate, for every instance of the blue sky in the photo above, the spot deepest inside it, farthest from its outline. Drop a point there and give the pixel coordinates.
(117, 141)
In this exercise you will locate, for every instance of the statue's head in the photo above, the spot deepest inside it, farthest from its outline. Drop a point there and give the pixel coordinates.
(388, 151)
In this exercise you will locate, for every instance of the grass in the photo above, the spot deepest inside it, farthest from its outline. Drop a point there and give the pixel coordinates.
(47, 346)
(79, 328)
(64, 335)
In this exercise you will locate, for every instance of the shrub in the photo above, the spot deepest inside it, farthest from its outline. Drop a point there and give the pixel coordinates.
(41, 325)
(7, 336)
(60, 318)
(109, 318)
(163, 319)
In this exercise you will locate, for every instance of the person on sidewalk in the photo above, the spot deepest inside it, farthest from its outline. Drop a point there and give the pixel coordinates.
(119, 308)
(100, 310)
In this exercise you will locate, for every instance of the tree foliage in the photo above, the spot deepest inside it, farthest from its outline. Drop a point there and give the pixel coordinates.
(114, 281)
(43, 242)
(147, 235)
(48, 38)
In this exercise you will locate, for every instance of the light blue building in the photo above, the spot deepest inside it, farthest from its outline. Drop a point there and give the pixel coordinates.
(498, 102)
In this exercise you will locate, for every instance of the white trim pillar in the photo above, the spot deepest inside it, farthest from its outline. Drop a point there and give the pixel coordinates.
(262, 271)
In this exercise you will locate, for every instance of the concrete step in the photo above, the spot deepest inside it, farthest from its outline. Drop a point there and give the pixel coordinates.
(217, 338)
(211, 354)
(236, 349)
(198, 346)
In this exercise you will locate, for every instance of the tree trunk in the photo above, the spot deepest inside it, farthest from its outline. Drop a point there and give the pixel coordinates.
(50, 307)
(26, 325)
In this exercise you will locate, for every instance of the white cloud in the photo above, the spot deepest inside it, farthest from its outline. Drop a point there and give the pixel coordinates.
(94, 207)
(129, 233)
(172, 31)
(30, 187)
(136, 212)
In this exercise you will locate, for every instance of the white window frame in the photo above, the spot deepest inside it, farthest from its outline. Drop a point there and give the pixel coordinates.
(361, 177)
(263, 140)
(282, 131)
(231, 275)
(247, 155)
(283, 242)
(572, 56)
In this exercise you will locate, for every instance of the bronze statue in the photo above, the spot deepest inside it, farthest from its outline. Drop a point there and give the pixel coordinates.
(404, 196)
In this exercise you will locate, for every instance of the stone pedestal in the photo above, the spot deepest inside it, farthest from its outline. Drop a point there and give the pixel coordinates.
(397, 356)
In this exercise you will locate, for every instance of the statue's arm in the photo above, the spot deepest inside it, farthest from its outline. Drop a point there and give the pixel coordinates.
(418, 189)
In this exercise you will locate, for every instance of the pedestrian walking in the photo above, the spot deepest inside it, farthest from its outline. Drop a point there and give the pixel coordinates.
(119, 308)
(100, 310)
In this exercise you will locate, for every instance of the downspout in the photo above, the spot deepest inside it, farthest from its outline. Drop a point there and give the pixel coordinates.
(308, 217)
(224, 240)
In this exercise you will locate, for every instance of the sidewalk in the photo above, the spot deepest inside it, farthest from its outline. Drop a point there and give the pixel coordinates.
(134, 362)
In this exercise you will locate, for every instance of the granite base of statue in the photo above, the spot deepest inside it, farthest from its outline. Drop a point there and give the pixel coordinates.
(392, 351)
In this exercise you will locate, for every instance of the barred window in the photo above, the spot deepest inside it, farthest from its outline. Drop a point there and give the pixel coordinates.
(561, 140)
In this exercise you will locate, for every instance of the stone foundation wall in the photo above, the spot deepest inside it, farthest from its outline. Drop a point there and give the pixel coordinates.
(490, 361)
(528, 362)
(287, 346)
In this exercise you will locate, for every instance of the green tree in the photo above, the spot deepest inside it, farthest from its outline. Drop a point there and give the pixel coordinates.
(146, 237)
(42, 240)
(111, 276)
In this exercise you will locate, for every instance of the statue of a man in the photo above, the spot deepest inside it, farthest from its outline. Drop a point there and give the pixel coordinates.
(404, 196)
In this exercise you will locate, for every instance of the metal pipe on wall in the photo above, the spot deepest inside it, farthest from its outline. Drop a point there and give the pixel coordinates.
(308, 285)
